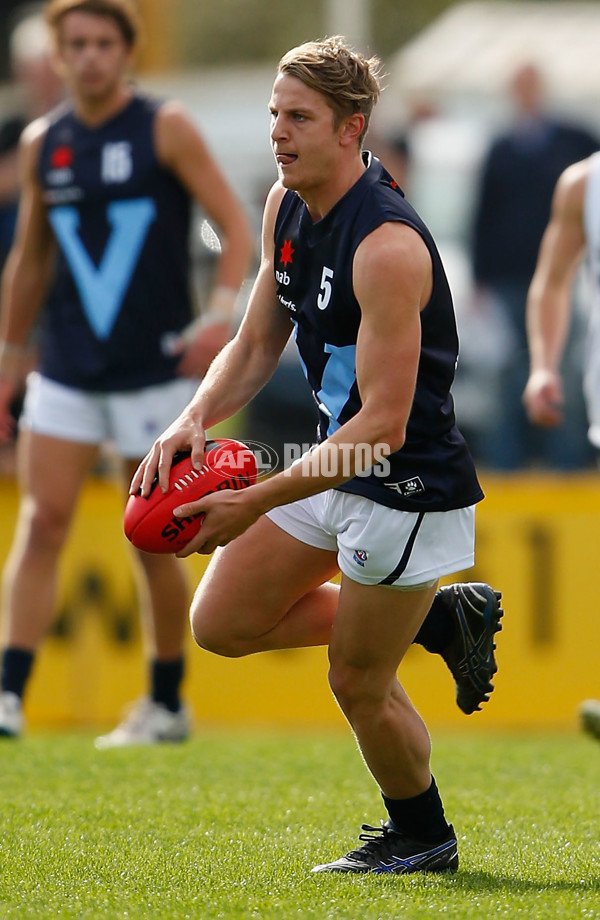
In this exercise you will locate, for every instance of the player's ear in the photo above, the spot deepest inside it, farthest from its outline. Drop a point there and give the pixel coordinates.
(351, 129)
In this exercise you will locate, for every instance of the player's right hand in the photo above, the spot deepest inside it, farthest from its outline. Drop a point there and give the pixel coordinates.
(183, 434)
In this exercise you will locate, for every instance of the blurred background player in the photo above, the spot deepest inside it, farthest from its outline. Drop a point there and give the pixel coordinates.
(108, 184)
(512, 207)
(573, 230)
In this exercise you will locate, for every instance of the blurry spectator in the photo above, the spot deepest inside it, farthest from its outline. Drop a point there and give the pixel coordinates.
(513, 206)
(37, 90)
(394, 148)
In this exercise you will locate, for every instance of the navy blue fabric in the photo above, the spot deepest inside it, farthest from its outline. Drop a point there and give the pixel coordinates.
(313, 267)
(122, 222)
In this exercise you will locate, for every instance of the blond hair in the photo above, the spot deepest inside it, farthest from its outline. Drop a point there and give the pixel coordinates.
(123, 12)
(348, 80)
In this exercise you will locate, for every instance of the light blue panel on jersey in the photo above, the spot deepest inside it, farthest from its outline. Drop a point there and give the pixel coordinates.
(302, 364)
(338, 379)
(103, 288)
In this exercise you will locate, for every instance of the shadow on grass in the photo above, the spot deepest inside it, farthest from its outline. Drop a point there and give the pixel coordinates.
(470, 882)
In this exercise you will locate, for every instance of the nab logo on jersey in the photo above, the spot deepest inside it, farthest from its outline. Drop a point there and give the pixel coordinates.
(117, 163)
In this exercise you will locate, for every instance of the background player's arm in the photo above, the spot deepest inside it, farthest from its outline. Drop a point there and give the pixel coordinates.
(549, 297)
(392, 278)
(181, 149)
(26, 275)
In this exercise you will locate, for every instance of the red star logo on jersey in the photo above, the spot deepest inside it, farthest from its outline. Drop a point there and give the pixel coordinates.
(61, 158)
(287, 252)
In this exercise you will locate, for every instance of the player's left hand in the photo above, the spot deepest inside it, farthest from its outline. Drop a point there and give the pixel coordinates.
(543, 398)
(201, 351)
(227, 514)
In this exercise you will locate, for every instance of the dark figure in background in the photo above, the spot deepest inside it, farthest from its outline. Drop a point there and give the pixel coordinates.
(512, 210)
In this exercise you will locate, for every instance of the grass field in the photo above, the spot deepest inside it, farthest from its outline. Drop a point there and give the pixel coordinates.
(229, 825)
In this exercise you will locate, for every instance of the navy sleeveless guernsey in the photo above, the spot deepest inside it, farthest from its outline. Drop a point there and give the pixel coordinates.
(433, 471)
(121, 287)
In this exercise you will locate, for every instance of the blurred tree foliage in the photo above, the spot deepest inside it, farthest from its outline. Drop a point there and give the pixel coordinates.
(234, 31)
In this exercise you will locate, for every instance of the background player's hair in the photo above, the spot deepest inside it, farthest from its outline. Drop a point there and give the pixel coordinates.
(123, 12)
(348, 80)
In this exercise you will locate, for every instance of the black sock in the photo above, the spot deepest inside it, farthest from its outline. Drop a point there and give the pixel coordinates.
(165, 678)
(437, 629)
(421, 817)
(16, 668)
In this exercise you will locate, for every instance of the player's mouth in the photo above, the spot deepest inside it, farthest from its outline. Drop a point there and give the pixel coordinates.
(91, 77)
(285, 159)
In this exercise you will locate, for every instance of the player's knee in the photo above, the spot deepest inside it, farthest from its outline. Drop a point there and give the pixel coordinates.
(209, 634)
(355, 688)
(44, 525)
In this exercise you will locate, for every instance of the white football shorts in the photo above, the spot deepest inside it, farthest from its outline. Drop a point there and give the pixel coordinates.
(129, 420)
(377, 545)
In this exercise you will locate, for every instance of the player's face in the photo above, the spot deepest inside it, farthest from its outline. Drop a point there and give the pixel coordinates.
(303, 137)
(92, 54)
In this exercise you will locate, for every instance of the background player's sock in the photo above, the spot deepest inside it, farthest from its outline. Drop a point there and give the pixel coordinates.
(16, 668)
(165, 682)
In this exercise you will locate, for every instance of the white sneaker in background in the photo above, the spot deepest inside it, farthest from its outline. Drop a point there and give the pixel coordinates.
(589, 714)
(11, 715)
(147, 723)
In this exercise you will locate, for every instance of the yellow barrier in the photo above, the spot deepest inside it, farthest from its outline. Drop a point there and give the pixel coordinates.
(536, 540)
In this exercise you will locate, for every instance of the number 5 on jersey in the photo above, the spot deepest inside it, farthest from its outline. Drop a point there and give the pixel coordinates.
(325, 289)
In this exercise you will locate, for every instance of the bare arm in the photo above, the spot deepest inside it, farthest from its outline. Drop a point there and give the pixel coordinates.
(549, 297)
(236, 374)
(181, 148)
(392, 280)
(26, 274)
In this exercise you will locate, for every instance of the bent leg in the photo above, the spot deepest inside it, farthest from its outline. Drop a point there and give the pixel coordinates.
(266, 590)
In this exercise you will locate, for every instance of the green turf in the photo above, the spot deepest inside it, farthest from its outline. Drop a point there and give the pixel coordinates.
(229, 825)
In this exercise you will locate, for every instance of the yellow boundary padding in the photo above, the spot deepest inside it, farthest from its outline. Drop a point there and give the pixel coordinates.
(537, 540)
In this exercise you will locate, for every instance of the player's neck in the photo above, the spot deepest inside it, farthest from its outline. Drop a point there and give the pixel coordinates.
(95, 110)
(321, 199)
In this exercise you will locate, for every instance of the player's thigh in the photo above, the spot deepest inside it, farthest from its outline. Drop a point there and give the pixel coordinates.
(252, 583)
(51, 472)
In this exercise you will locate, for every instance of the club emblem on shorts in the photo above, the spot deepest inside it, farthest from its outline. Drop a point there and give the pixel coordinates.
(360, 557)
(408, 487)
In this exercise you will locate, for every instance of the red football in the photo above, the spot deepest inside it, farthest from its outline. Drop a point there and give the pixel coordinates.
(150, 523)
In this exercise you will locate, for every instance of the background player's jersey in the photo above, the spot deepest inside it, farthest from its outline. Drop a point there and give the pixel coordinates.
(122, 222)
(433, 471)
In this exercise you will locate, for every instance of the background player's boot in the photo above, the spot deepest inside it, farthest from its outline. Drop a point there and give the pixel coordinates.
(11, 715)
(147, 723)
(589, 714)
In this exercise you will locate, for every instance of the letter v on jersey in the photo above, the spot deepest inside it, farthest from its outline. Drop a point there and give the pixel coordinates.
(103, 288)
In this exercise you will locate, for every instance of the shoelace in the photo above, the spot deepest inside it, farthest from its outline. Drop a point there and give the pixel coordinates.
(375, 839)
